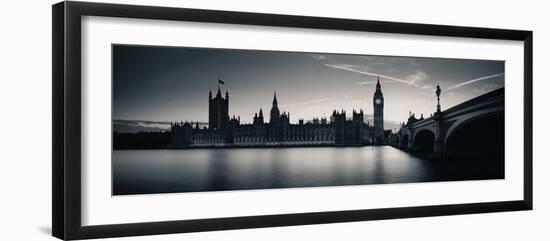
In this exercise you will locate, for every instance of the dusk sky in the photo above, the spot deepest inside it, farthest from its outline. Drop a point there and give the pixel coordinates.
(164, 84)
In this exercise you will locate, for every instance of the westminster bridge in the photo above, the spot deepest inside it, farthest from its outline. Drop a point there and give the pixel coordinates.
(474, 128)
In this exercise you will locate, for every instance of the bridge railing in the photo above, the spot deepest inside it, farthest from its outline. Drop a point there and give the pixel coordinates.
(487, 96)
(471, 102)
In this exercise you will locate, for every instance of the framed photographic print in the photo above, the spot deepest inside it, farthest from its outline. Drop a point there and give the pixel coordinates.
(170, 120)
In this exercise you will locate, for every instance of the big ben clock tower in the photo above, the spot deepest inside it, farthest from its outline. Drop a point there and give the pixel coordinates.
(378, 102)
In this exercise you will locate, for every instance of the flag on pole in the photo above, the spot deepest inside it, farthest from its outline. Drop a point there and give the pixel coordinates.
(220, 82)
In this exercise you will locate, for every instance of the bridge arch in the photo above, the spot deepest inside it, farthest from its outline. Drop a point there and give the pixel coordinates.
(430, 128)
(477, 135)
(424, 141)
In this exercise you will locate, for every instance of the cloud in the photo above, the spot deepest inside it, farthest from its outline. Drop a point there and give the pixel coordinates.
(428, 87)
(475, 80)
(345, 67)
(418, 77)
(307, 102)
(349, 66)
(318, 56)
(412, 80)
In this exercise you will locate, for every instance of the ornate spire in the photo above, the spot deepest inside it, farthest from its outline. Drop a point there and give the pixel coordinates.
(274, 114)
(378, 83)
(274, 98)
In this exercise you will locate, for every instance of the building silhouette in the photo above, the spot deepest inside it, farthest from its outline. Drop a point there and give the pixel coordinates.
(224, 130)
(218, 110)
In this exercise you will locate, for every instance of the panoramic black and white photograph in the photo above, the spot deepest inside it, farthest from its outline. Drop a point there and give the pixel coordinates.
(205, 119)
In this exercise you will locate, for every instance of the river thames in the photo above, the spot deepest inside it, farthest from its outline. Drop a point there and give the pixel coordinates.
(194, 170)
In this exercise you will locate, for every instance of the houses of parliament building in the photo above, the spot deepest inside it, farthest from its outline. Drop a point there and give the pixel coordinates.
(223, 131)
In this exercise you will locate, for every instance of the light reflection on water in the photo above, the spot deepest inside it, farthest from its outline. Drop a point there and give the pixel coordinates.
(162, 171)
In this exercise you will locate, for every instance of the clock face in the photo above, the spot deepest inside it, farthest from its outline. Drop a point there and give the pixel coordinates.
(378, 101)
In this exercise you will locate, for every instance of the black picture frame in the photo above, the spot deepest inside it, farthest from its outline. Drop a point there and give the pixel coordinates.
(66, 127)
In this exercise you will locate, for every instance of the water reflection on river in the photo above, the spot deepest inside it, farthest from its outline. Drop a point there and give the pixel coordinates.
(162, 171)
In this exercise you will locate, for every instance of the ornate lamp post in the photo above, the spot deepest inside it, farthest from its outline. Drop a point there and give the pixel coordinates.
(438, 92)
(438, 145)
